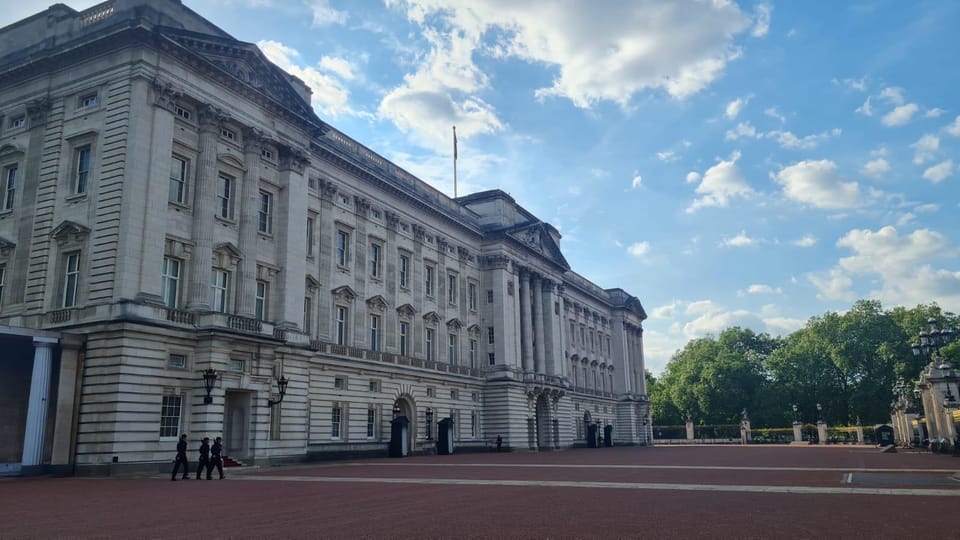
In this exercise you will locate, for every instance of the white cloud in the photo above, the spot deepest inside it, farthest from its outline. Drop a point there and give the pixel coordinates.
(701, 306)
(324, 15)
(808, 240)
(954, 128)
(939, 172)
(818, 184)
(788, 140)
(734, 108)
(664, 312)
(329, 97)
(720, 184)
(833, 285)
(639, 249)
(715, 322)
(901, 115)
(340, 66)
(743, 129)
(875, 168)
(692, 177)
(601, 52)
(740, 240)
(859, 85)
(773, 113)
(893, 95)
(929, 208)
(637, 180)
(905, 218)
(935, 112)
(761, 24)
(760, 288)
(924, 148)
(866, 109)
(667, 156)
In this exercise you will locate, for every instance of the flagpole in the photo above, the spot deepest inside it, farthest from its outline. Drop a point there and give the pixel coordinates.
(454, 162)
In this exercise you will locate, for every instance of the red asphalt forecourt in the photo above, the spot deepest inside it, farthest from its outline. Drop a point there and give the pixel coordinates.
(662, 492)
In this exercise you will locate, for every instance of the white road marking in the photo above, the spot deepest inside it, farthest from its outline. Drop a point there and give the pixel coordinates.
(848, 478)
(796, 490)
(679, 467)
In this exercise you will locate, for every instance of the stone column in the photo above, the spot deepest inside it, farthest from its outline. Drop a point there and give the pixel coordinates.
(290, 234)
(822, 431)
(689, 426)
(860, 432)
(797, 432)
(538, 349)
(71, 366)
(39, 401)
(249, 192)
(204, 209)
(526, 328)
(552, 348)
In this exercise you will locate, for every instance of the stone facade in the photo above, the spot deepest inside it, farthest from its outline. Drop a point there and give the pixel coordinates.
(171, 201)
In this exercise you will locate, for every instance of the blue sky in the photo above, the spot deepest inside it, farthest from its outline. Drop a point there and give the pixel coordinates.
(727, 162)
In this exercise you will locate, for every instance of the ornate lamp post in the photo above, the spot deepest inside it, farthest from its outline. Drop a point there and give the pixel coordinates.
(934, 385)
(209, 381)
(282, 387)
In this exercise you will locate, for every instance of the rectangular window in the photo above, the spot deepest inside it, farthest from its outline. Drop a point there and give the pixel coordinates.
(265, 213)
(71, 280)
(266, 154)
(474, 424)
(87, 100)
(490, 336)
(375, 250)
(18, 121)
(339, 383)
(454, 394)
(310, 222)
(431, 391)
(341, 325)
(228, 134)
(235, 364)
(183, 112)
(489, 296)
(374, 332)
(452, 289)
(404, 332)
(343, 248)
(224, 197)
(428, 337)
(308, 315)
(428, 280)
(170, 416)
(178, 180)
(9, 186)
(82, 176)
(473, 353)
(374, 386)
(573, 333)
(491, 359)
(178, 361)
(453, 349)
(404, 271)
(371, 423)
(219, 280)
(335, 419)
(171, 282)
(260, 304)
(472, 296)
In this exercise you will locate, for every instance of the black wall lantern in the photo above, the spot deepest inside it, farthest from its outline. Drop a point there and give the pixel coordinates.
(209, 381)
(282, 386)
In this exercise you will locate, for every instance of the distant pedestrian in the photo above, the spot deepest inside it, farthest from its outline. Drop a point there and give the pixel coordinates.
(181, 459)
(499, 442)
(204, 460)
(216, 458)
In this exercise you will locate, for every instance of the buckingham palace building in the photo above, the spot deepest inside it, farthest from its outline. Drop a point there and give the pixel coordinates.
(186, 247)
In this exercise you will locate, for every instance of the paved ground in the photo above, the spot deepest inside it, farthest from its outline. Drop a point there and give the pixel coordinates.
(666, 492)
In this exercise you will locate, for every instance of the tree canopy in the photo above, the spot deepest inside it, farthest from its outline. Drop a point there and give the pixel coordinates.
(848, 363)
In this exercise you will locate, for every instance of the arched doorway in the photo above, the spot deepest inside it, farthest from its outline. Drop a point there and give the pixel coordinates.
(404, 406)
(544, 423)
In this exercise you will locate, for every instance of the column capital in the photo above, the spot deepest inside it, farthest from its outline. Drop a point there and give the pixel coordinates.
(253, 140)
(165, 95)
(293, 159)
(210, 118)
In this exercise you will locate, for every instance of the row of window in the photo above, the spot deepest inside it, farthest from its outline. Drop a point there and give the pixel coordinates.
(598, 381)
(79, 177)
(595, 339)
(226, 194)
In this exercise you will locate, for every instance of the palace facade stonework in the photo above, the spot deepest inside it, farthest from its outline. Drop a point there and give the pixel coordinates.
(170, 204)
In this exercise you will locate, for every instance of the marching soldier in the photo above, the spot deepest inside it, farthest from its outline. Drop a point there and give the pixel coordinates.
(204, 461)
(181, 459)
(216, 459)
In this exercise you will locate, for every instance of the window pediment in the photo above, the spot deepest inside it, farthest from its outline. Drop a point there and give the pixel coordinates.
(312, 283)
(344, 293)
(454, 324)
(377, 303)
(406, 311)
(474, 330)
(431, 317)
(226, 255)
(69, 231)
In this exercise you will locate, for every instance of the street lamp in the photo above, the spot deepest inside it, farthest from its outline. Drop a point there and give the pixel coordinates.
(796, 414)
(209, 381)
(282, 387)
(819, 413)
(930, 342)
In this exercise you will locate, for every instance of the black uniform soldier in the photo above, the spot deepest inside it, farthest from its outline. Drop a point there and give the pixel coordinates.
(216, 459)
(499, 442)
(204, 461)
(181, 459)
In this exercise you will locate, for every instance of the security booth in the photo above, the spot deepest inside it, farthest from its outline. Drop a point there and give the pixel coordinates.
(884, 434)
(399, 428)
(608, 435)
(445, 437)
(592, 436)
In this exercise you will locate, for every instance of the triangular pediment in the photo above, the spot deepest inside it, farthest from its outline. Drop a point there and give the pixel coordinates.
(454, 324)
(537, 238)
(474, 330)
(406, 310)
(431, 317)
(228, 248)
(377, 302)
(345, 293)
(245, 63)
(311, 282)
(69, 230)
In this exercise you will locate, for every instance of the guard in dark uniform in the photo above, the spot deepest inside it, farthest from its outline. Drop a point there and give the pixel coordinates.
(216, 458)
(204, 461)
(181, 459)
